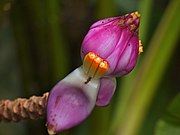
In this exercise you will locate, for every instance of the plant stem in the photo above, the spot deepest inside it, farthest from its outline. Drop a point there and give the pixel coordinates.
(22, 108)
(59, 56)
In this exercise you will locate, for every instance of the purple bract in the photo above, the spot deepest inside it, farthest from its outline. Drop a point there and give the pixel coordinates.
(116, 41)
(110, 49)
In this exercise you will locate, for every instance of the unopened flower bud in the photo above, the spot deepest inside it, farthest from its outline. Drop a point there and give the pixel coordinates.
(115, 40)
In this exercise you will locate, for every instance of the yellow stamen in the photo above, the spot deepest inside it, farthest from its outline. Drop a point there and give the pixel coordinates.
(140, 47)
(90, 57)
(102, 69)
(120, 22)
(94, 66)
(138, 14)
(130, 20)
(135, 15)
(132, 27)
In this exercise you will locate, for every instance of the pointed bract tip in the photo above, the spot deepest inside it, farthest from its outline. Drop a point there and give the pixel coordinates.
(51, 132)
(136, 14)
(130, 21)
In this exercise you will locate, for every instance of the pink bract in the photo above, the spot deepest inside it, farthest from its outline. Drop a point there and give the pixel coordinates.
(116, 41)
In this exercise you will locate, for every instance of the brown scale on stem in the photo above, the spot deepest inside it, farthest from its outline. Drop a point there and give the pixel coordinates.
(22, 108)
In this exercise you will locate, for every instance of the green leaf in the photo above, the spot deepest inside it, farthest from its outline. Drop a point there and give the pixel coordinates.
(165, 128)
(170, 123)
(174, 108)
(150, 74)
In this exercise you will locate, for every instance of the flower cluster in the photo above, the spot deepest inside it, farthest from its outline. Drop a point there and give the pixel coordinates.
(110, 49)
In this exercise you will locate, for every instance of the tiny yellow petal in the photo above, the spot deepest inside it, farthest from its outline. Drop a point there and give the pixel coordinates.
(94, 66)
(140, 47)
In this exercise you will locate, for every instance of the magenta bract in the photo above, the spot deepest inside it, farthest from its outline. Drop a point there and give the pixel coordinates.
(116, 41)
(106, 91)
(110, 49)
(71, 101)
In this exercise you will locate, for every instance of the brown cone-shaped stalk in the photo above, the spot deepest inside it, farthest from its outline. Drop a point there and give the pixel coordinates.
(22, 108)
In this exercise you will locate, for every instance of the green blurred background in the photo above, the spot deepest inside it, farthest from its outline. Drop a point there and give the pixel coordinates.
(40, 44)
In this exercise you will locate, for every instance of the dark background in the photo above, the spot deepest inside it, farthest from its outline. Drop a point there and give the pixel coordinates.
(40, 44)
